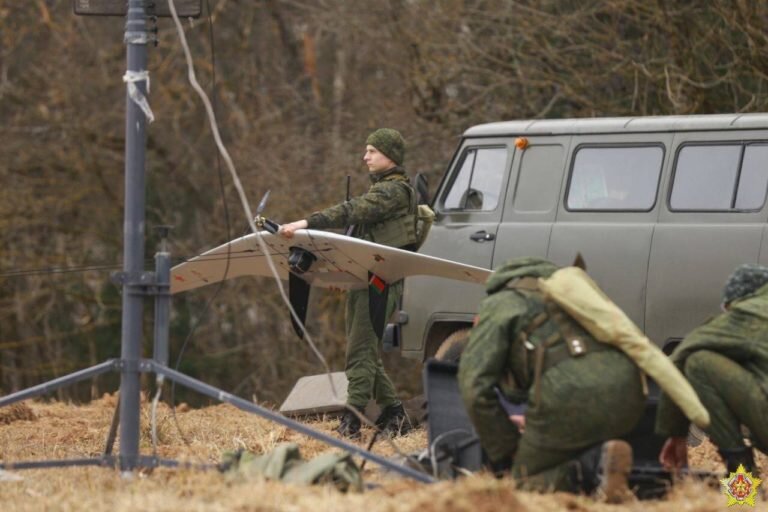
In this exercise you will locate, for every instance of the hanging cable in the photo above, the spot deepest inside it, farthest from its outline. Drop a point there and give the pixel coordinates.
(239, 187)
(210, 301)
(57, 270)
(249, 215)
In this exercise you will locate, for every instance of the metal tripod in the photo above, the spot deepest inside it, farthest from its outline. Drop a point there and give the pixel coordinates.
(137, 283)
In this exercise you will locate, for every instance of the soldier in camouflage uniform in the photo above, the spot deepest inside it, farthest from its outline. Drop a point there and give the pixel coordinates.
(579, 401)
(386, 215)
(726, 362)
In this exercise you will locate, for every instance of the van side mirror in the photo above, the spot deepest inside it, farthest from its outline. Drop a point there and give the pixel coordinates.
(390, 341)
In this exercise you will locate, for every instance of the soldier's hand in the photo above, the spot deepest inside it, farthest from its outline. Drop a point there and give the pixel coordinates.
(287, 230)
(674, 453)
(519, 421)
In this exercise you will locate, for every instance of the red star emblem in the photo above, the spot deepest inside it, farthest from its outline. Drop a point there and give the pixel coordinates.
(740, 486)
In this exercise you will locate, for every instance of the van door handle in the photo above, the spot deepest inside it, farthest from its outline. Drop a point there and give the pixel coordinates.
(482, 236)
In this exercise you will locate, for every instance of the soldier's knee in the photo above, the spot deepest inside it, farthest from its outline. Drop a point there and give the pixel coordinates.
(700, 364)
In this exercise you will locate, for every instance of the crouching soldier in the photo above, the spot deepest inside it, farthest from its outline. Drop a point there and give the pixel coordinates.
(726, 362)
(582, 394)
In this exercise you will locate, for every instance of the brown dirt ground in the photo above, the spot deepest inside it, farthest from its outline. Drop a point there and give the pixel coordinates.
(36, 430)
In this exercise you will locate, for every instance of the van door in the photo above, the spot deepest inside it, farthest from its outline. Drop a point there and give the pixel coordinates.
(713, 219)
(609, 208)
(532, 199)
(468, 205)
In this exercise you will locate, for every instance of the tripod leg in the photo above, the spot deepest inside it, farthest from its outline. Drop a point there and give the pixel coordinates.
(223, 396)
(368, 448)
(113, 429)
(52, 385)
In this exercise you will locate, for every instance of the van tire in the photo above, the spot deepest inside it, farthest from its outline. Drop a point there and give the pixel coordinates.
(451, 348)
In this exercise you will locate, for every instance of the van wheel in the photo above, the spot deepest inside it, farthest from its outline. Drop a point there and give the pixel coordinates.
(451, 348)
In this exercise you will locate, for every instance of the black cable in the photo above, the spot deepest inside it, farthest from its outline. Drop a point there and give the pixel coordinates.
(229, 235)
(84, 268)
(72, 269)
(56, 270)
(245, 253)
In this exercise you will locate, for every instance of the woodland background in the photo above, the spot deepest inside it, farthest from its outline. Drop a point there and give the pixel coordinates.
(298, 86)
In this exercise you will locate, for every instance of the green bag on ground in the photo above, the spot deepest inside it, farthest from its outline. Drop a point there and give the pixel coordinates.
(574, 291)
(285, 463)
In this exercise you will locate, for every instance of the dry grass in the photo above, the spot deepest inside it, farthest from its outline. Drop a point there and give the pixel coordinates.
(56, 430)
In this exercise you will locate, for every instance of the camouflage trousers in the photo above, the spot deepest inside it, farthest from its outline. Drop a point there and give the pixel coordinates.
(733, 398)
(584, 402)
(365, 372)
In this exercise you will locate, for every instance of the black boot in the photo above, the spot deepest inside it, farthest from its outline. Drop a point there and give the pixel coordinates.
(583, 471)
(394, 421)
(349, 426)
(733, 457)
(500, 468)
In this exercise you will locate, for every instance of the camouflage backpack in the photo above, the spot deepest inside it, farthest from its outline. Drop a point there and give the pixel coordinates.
(286, 464)
(575, 292)
(424, 219)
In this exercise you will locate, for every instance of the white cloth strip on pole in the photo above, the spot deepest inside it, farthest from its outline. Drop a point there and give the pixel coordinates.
(131, 77)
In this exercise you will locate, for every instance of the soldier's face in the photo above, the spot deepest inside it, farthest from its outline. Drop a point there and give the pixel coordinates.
(376, 160)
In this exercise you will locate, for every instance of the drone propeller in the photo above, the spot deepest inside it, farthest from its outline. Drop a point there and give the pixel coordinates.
(263, 222)
(262, 203)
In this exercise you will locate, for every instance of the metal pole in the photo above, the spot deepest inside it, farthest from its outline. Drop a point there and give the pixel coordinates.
(162, 297)
(133, 238)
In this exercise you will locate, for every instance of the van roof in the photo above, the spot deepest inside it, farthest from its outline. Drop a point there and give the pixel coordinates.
(621, 125)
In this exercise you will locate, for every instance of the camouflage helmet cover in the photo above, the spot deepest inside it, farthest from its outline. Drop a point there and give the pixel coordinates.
(745, 280)
(519, 267)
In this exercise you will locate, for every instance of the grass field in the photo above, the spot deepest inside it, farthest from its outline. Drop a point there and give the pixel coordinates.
(37, 430)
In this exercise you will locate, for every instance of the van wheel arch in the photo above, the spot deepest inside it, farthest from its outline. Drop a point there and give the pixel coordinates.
(453, 346)
(439, 333)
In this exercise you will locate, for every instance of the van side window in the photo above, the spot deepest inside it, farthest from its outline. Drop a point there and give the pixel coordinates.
(754, 178)
(477, 181)
(615, 178)
(720, 177)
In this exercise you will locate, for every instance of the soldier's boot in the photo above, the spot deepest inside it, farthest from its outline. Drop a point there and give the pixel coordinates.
(614, 469)
(349, 426)
(743, 456)
(394, 421)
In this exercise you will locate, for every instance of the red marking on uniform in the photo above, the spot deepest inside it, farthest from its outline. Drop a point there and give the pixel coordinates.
(179, 278)
(377, 283)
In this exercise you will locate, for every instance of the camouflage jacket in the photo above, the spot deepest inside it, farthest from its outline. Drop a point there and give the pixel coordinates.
(740, 334)
(501, 353)
(386, 214)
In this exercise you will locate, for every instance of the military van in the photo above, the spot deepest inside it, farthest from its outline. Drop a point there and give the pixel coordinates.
(661, 208)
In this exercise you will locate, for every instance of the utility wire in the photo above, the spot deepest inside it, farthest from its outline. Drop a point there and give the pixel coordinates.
(238, 184)
(104, 266)
(58, 270)
(229, 249)
(251, 223)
